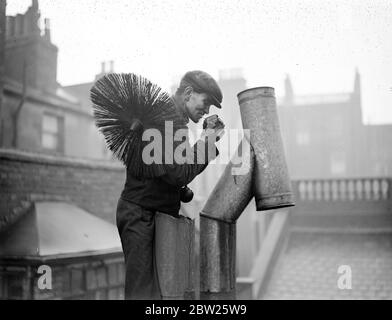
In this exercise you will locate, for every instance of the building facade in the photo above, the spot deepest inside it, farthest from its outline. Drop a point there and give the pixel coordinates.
(324, 136)
(37, 113)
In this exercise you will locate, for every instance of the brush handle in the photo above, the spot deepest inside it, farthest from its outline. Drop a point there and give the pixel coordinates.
(136, 125)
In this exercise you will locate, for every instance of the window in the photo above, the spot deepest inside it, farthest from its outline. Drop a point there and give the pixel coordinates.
(303, 138)
(338, 164)
(51, 138)
(11, 285)
(336, 127)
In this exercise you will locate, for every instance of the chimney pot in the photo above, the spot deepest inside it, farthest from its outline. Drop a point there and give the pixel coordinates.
(47, 28)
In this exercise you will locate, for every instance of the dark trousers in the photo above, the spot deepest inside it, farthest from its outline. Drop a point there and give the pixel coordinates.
(136, 226)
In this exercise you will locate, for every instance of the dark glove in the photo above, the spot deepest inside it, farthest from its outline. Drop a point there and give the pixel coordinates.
(186, 194)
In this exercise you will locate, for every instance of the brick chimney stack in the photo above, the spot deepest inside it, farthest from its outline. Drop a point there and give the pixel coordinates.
(25, 44)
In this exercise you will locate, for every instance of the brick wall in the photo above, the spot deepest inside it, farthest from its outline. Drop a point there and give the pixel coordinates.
(27, 177)
(99, 277)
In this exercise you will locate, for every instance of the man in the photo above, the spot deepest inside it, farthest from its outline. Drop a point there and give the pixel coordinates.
(141, 199)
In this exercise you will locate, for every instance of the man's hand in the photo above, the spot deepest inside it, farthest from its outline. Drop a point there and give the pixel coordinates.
(213, 122)
(213, 128)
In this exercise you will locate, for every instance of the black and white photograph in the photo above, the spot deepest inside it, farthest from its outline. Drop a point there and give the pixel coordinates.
(211, 151)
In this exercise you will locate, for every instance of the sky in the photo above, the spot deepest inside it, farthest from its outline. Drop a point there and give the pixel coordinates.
(318, 43)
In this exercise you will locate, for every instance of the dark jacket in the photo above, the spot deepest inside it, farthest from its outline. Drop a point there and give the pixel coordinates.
(163, 193)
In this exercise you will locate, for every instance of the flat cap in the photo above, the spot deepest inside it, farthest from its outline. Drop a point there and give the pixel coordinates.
(202, 82)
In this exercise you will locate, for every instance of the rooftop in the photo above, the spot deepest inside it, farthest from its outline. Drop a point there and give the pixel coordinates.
(58, 230)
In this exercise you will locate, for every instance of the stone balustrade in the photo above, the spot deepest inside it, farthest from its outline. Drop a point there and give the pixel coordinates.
(348, 189)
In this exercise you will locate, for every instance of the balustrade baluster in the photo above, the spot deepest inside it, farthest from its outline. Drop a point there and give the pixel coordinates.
(368, 189)
(359, 189)
(310, 190)
(351, 190)
(376, 189)
(301, 190)
(327, 190)
(334, 187)
(342, 190)
(384, 189)
(318, 190)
